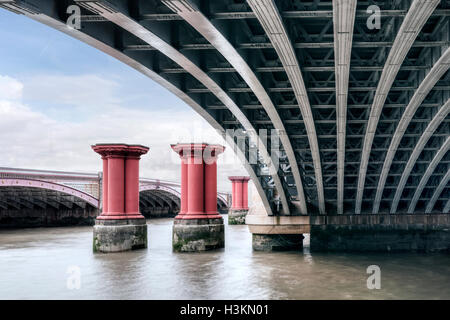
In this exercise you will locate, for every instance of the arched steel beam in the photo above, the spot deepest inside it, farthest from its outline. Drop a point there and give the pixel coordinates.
(438, 192)
(48, 18)
(147, 200)
(427, 84)
(124, 21)
(203, 25)
(343, 21)
(3, 205)
(417, 15)
(146, 187)
(270, 19)
(157, 199)
(431, 128)
(8, 203)
(167, 197)
(412, 205)
(447, 207)
(10, 182)
(223, 198)
(433, 164)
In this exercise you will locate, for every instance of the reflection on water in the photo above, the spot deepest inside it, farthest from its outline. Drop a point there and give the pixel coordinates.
(34, 265)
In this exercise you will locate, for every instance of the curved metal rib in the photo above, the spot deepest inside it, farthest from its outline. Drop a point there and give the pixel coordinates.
(58, 25)
(432, 126)
(198, 21)
(439, 68)
(417, 15)
(144, 34)
(433, 164)
(269, 17)
(447, 207)
(343, 20)
(438, 192)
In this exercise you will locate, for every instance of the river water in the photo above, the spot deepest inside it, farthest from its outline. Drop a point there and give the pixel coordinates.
(43, 263)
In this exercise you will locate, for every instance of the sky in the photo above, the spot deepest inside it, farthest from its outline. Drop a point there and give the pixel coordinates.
(58, 96)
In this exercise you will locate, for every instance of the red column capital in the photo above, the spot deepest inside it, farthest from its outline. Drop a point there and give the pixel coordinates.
(120, 180)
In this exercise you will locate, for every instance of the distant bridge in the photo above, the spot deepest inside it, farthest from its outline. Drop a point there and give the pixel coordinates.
(28, 189)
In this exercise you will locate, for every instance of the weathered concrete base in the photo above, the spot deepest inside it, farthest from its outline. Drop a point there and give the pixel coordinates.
(119, 235)
(194, 235)
(382, 233)
(237, 216)
(277, 242)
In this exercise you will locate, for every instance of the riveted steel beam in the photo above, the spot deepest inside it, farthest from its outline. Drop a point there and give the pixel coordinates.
(437, 192)
(343, 22)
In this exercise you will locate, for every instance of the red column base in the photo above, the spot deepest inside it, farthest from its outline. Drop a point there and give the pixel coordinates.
(114, 216)
(199, 216)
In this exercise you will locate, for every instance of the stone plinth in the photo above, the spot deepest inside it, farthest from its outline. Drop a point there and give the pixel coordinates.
(194, 235)
(198, 226)
(120, 235)
(121, 226)
(277, 242)
(236, 216)
(275, 233)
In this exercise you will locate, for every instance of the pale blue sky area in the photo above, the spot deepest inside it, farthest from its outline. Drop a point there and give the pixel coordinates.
(30, 48)
(58, 96)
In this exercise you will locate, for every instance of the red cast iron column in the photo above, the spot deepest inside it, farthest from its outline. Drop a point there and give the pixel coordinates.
(240, 192)
(105, 185)
(132, 181)
(211, 153)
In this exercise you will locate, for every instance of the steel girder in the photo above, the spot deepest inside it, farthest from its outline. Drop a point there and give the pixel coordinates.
(192, 15)
(438, 70)
(395, 79)
(270, 19)
(415, 19)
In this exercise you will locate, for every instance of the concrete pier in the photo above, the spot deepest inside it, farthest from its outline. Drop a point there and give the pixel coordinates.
(198, 226)
(121, 226)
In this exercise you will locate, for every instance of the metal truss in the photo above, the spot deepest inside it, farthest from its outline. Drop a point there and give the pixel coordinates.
(270, 19)
(438, 70)
(423, 181)
(195, 18)
(415, 19)
(361, 112)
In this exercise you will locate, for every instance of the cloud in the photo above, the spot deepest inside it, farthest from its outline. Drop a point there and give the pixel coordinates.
(35, 138)
(10, 88)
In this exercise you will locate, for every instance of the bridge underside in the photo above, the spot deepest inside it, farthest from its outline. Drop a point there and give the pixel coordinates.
(33, 207)
(160, 203)
(365, 112)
